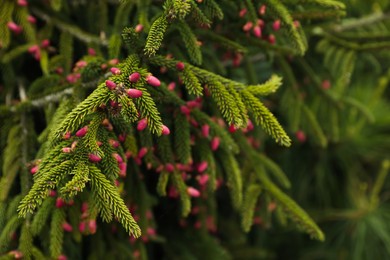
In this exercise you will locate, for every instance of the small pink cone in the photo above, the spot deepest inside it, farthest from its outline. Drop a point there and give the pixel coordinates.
(60, 203)
(301, 136)
(215, 143)
(67, 227)
(115, 71)
(134, 77)
(169, 167)
(205, 130)
(257, 31)
(276, 25)
(82, 132)
(180, 66)
(134, 93)
(202, 166)
(110, 84)
(193, 192)
(165, 130)
(153, 81)
(94, 158)
(142, 124)
(142, 152)
(34, 170)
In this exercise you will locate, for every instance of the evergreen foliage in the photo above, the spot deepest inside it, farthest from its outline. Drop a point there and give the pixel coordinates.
(186, 129)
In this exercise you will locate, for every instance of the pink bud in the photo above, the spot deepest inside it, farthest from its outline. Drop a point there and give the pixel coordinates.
(202, 166)
(60, 203)
(205, 130)
(247, 26)
(171, 86)
(114, 143)
(22, 2)
(134, 93)
(242, 12)
(113, 62)
(215, 143)
(203, 179)
(99, 143)
(52, 193)
(326, 84)
(31, 19)
(122, 169)
(232, 128)
(115, 71)
(134, 77)
(151, 231)
(62, 257)
(193, 192)
(94, 158)
(82, 227)
(172, 192)
(142, 152)
(271, 39)
(91, 51)
(142, 124)
(110, 84)
(180, 66)
(165, 130)
(84, 207)
(117, 157)
(67, 227)
(34, 170)
(139, 28)
(169, 167)
(14, 27)
(82, 132)
(257, 31)
(153, 81)
(45, 43)
(113, 103)
(122, 138)
(276, 25)
(66, 150)
(33, 49)
(15, 254)
(185, 110)
(301, 136)
(296, 24)
(262, 9)
(92, 226)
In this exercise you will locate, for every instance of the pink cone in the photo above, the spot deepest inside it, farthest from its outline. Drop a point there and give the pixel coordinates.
(205, 130)
(271, 39)
(117, 157)
(67, 227)
(134, 77)
(34, 170)
(82, 132)
(66, 150)
(115, 71)
(203, 179)
(139, 28)
(92, 226)
(185, 110)
(14, 27)
(134, 93)
(114, 143)
(276, 25)
(94, 158)
(122, 169)
(257, 31)
(165, 130)
(142, 152)
(202, 166)
(169, 167)
(60, 203)
(193, 192)
(110, 84)
(22, 2)
(262, 9)
(31, 19)
(180, 66)
(142, 124)
(82, 227)
(247, 26)
(215, 143)
(301, 136)
(46, 43)
(153, 81)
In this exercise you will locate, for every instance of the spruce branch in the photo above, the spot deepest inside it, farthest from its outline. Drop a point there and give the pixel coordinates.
(109, 194)
(251, 196)
(156, 35)
(265, 118)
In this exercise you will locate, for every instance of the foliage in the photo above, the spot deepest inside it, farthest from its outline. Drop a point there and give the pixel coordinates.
(151, 129)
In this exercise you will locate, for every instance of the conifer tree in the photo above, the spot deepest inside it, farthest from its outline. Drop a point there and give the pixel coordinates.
(194, 129)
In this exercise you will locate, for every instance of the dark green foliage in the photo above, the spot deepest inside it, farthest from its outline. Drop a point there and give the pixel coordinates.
(91, 168)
